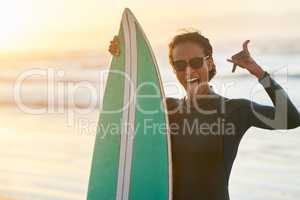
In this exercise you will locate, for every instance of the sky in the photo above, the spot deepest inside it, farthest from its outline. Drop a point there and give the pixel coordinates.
(76, 25)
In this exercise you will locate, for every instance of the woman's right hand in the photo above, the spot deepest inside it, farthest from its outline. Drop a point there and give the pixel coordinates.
(114, 46)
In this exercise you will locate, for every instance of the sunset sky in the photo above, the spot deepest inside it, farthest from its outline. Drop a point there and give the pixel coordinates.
(70, 25)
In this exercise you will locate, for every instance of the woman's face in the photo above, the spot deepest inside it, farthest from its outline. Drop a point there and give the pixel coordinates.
(191, 76)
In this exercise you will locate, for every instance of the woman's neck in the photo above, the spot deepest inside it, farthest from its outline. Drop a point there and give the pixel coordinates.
(200, 92)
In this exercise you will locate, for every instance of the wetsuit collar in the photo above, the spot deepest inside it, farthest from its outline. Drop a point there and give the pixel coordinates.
(206, 102)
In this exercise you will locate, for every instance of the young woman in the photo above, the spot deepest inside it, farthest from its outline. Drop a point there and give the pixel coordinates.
(206, 127)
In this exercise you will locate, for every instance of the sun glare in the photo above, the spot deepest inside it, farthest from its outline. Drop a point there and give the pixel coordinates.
(67, 24)
(14, 15)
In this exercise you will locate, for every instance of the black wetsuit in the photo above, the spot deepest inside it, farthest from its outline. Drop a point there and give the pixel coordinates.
(204, 145)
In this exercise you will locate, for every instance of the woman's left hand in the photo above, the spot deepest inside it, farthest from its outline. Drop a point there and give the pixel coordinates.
(244, 60)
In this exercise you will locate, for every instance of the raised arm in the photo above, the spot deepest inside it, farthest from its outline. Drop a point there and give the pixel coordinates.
(282, 115)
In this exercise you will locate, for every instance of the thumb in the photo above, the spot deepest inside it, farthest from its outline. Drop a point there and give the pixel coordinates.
(234, 65)
(232, 61)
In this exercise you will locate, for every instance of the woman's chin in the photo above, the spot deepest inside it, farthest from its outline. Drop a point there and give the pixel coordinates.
(196, 89)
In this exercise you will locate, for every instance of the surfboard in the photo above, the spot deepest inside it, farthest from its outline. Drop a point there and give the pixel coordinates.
(132, 150)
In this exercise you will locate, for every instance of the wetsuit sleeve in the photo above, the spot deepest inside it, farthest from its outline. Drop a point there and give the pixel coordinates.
(282, 115)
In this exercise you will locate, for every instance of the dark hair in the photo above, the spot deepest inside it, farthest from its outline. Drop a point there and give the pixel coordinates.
(194, 37)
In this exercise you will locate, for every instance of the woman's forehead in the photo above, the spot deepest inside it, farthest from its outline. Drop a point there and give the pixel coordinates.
(187, 50)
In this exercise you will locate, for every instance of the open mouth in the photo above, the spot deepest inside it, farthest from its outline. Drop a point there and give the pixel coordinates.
(193, 80)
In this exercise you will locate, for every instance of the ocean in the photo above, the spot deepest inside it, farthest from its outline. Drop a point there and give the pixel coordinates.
(49, 112)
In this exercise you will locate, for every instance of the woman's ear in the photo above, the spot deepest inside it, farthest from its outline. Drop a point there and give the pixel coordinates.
(210, 63)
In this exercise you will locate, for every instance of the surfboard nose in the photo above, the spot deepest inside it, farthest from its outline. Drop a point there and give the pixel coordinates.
(126, 11)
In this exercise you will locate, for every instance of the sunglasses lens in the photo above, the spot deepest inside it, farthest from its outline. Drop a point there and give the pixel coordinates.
(180, 65)
(196, 62)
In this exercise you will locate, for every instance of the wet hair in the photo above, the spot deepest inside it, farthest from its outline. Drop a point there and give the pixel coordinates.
(194, 37)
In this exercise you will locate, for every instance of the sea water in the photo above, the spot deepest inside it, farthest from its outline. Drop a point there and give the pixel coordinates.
(46, 155)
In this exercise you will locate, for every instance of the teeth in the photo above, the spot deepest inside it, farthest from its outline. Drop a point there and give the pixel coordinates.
(192, 80)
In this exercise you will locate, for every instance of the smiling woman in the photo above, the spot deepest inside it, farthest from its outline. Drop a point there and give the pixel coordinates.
(49, 156)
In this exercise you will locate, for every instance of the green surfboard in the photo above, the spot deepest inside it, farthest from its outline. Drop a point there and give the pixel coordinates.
(132, 154)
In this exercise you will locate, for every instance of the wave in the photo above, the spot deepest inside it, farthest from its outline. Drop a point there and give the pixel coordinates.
(90, 82)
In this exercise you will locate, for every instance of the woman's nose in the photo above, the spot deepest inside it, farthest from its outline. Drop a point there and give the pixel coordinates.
(189, 69)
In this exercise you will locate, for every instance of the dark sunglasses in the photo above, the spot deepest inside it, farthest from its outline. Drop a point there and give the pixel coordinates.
(195, 63)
